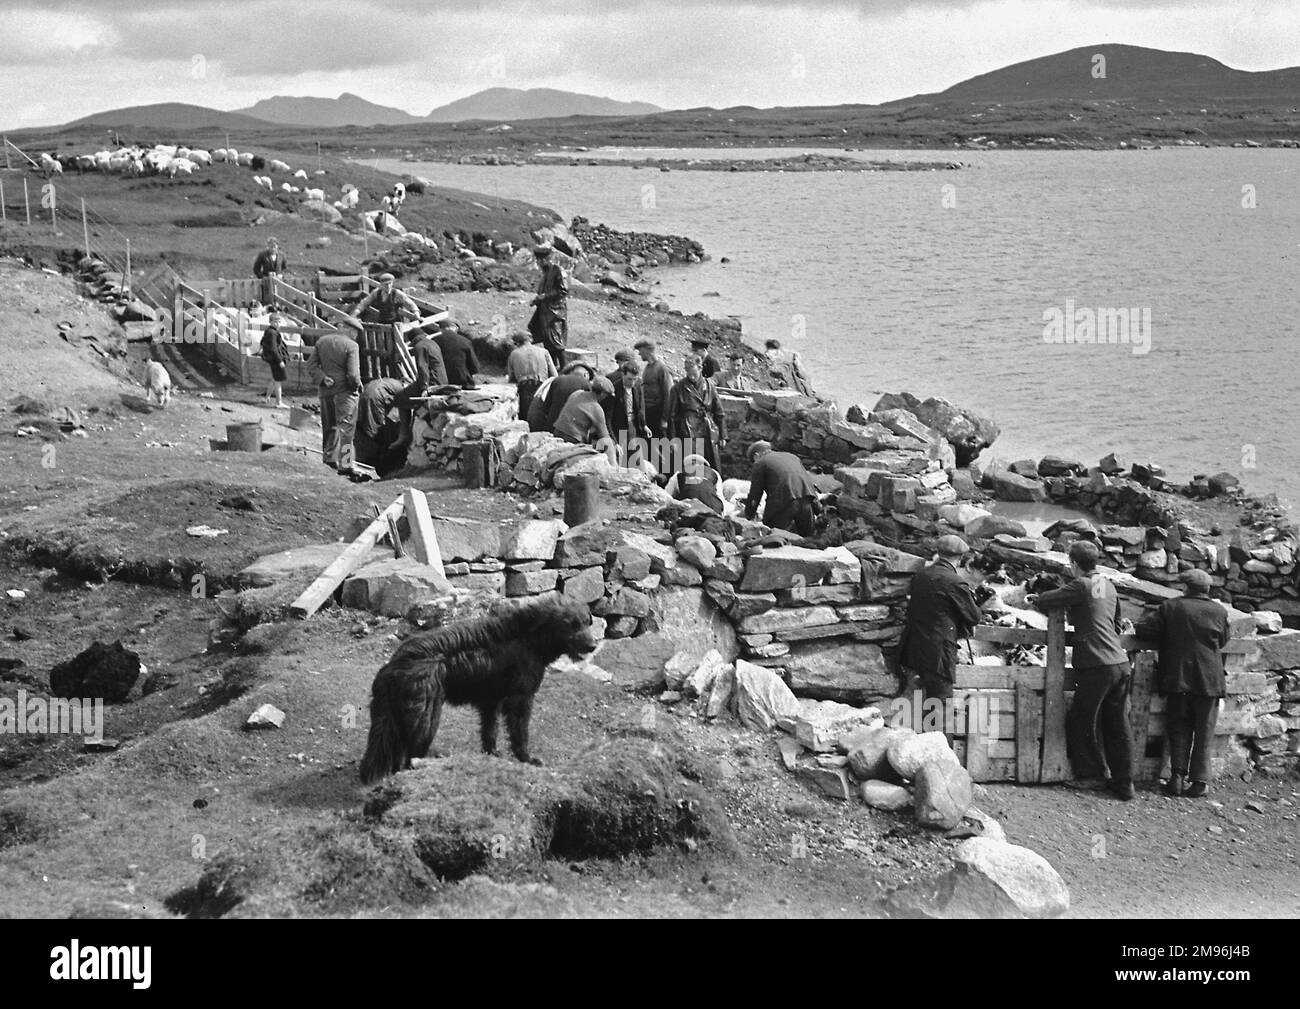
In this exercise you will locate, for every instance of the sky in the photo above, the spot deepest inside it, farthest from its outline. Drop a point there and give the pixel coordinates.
(63, 59)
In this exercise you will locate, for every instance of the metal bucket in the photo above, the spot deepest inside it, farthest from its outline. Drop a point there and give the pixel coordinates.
(244, 437)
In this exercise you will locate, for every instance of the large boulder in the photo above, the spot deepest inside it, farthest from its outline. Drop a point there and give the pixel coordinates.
(852, 672)
(1008, 486)
(586, 545)
(467, 540)
(297, 562)
(761, 696)
(690, 618)
(782, 567)
(533, 540)
(637, 664)
(988, 526)
(870, 757)
(391, 586)
(992, 879)
(943, 794)
(819, 725)
(912, 751)
(319, 210)
(886, 796)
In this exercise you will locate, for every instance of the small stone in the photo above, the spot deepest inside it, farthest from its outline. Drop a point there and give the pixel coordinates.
(268, 716)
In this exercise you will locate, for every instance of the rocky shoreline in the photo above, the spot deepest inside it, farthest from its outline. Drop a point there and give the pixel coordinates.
(794, 163)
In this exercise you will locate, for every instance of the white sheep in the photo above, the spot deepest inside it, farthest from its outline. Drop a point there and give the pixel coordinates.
(300, 174)
(85, 162)
(286, 187)
(313, 194)
(184, 166)
(201, 157)
(219, 154)
(279, 166)
(50, 166)
(166, 149)
(295, 189)
(245, 160)
(264, 181)
(232, 155)
(183, 152)
(102, 160)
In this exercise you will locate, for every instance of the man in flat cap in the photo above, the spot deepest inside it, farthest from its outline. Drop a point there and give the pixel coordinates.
(549, 324)
(941, 609)
(390, 304)
(528, 367)
(1191, 632)
(789, 489)
(582, 421)
(656, 388)
(625, 410)
(1102, 673)
(709, 365)
(457, 355)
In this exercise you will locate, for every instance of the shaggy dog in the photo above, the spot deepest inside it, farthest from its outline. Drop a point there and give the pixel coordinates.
(494, 663)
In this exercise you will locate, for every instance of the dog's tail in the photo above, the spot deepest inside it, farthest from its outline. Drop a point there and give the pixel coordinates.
(386, 748)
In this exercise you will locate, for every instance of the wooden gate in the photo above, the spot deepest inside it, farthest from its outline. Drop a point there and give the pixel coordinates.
(1015, 715)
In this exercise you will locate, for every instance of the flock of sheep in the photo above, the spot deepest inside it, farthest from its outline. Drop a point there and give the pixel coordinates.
(173, 160)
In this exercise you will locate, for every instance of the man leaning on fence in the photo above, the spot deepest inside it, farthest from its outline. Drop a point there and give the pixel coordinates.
(389, 303)
(335, 366)
(268, 265)
(1192, 632)
(1102, 674)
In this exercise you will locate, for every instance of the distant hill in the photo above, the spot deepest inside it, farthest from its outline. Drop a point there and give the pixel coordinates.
(345, 110)
(1131, 72)
(172, 116)
(534, 103)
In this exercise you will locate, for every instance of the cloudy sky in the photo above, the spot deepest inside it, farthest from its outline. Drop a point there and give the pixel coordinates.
(62, 59)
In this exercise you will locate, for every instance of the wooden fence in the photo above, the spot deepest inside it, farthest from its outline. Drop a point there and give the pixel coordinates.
(1015, 715)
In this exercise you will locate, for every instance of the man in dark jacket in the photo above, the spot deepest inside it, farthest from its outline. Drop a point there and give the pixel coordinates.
(940, 610)
(791, 493)
(549, 324)
(457, 355)
(1101, 669)
(270, 262)
(575, 377)
(1192, 632)
(335, 365)
(390, 304)
(709, 366)
(656, 388)
(625, 410)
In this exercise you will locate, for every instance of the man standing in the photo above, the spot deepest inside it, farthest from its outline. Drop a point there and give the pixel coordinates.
(276, 355)
(549, 324)
(625, 410)
(335, 365)
(582, 421)
(693, 411)
(709, 365)
(458, 355)
(656, 388)
(791, 493)
(1192, 632)
(389, 303)
(785, 365)
(269, 264)
(1101, 670)
(940, 610)
(528, 367)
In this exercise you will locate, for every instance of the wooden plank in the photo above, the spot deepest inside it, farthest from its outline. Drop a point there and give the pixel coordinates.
(1055, 766)
(999, 677)
(1144, 674)
(1029, 734)
(323, 587)
(395, 537)
(1009, 635)
(424, 537)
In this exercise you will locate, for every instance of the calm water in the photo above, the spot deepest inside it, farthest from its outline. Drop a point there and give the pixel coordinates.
(889, 281)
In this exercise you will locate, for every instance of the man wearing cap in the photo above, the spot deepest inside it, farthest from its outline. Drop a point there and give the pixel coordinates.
(789, 488)
(940, 610)
(785, 365)
(656, 388)
(1101, 670)
(625, 410)
(389, 303)
(582, 421)
(694, 412)
(549, 324)
(335, 365)
(709, 365)
(458, 355)
(528, 367)
(1191, 632)
(697, 482)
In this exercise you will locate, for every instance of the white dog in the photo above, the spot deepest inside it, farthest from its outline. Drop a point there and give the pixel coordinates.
(157, 382)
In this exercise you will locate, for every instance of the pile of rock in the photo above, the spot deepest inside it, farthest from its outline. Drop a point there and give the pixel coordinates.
(633, 248)
(445, 425)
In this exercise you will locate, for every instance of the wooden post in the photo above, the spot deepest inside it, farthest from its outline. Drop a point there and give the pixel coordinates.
(27, 203)
(581, 499)
(424, 538)
(127, 276)
(347, 562)
(4, 216)
(85, 228)
(7, 165)
(1056, 765)
(1029, 734)
(1140, 708)
(241, 335)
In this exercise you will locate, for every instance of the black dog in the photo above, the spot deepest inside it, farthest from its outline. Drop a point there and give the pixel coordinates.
(494, 663)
